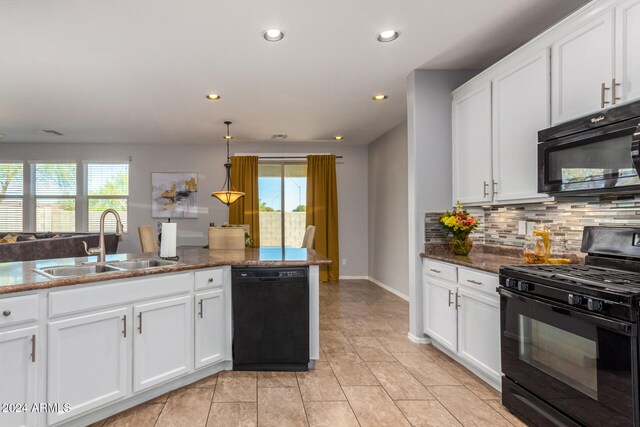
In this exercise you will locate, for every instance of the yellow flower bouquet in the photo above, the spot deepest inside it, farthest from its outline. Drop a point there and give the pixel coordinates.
(459, 224)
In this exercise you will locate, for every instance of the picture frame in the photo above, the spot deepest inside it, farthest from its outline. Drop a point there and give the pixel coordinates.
(174, 195)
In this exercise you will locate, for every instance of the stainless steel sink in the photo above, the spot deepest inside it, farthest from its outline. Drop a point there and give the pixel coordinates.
(138, 264)
(76, 270)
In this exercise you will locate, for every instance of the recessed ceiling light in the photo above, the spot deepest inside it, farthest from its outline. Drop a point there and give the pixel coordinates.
(388, 36)
(213, 97)
(379, 97)
(273, 35)
(338, 137)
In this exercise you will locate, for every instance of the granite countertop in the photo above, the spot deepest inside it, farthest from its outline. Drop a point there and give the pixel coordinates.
(482, 257)
(19, 276)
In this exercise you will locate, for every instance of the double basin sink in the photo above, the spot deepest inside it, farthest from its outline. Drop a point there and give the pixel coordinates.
(101, 267)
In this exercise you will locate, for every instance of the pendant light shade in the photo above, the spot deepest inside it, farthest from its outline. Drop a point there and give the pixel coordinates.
(229, 195)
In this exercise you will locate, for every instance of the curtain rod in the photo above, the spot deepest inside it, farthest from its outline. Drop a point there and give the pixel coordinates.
(288, 157)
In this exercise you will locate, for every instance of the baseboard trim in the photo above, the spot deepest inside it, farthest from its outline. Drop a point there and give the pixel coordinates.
(418, 340)
(354, 277)
(389, 288)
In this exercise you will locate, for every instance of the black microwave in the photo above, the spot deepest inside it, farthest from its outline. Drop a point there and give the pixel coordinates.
(595, 154)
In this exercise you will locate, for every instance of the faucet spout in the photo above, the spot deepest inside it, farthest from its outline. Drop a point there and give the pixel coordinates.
(100, 250)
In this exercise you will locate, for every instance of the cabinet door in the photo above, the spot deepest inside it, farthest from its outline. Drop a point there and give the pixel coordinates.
(163, 341)
(210, 328)
(472, 146)
(88, 362)
(581, 62)
(627, 50)
(479, 331)
(521, 107)
(18, 374)
(440, 313)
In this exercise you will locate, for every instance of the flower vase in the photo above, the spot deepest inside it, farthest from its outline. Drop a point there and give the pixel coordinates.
(461, 245)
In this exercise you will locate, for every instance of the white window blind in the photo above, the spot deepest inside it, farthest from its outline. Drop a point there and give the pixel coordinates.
(11, 197)
(55, 191)
(107, 188)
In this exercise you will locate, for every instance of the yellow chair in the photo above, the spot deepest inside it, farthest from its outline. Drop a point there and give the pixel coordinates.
(148, 239)
(309, 237)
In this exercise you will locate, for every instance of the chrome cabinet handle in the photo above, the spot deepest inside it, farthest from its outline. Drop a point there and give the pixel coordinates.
(450, 295)
(614, 98)
(603, 89)
(201, 309)
(475, 282)
(486, 189)
(434, 270)
(124, 327)
(33, 348)
(457, 297)
(6, 313)
(139, 323)
(495, 187)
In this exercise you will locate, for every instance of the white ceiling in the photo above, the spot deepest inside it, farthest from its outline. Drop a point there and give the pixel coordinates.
(137, 71)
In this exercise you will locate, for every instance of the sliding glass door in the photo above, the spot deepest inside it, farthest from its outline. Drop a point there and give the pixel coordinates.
(282, 190)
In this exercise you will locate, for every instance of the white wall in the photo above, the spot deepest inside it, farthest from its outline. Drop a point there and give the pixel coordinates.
(388, 217)
(208, 161)
(429, 166)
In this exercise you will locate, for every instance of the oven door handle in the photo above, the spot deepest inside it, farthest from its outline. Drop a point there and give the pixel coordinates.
(617, 326)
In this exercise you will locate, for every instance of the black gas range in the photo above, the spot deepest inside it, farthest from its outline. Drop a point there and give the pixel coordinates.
(569, 335)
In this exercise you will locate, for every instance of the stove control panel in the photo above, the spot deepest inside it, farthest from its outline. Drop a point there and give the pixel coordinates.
(594, 305)
(575, 299)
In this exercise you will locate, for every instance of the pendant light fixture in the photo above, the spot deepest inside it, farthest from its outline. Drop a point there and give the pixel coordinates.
(230, 195)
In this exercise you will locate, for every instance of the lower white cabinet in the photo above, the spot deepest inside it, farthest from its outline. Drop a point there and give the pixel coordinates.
(87, 361)
(441, 319)
(163, 343)
(210, 324)
(18, 375)
(479, 330)
(463, 316)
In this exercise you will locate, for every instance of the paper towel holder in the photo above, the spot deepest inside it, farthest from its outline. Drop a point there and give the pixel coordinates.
(170, 258)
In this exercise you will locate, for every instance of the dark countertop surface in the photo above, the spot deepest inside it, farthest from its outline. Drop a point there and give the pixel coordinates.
(19, 276)
(487, 258)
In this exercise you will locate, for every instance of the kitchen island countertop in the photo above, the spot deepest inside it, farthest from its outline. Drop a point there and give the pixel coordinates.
(20, 277)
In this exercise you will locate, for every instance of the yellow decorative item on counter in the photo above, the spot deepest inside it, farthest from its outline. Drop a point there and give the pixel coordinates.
(543, 231)
(459, 224)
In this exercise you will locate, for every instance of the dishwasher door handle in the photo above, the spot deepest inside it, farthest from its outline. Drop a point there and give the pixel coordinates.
(268, 279)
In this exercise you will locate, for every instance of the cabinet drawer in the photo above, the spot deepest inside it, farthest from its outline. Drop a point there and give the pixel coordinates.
(440, 270)
(209, 278)
(472, 279)
(18, 310)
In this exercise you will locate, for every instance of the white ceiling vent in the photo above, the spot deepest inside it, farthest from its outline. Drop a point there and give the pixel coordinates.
(52, 132)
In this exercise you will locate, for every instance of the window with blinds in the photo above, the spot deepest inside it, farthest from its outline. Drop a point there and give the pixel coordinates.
(55, 196)
(107, 188)
(11, 197)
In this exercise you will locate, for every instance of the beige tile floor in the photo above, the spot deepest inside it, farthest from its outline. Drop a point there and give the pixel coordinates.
(369, 374)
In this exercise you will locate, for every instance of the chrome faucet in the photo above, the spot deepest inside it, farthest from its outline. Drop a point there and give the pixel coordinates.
(100, 250)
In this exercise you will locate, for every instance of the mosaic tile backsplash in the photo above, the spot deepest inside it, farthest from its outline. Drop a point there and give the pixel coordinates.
(499, 224)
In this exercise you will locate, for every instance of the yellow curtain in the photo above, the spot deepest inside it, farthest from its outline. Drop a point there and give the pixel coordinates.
(322, 210)
(244, 177)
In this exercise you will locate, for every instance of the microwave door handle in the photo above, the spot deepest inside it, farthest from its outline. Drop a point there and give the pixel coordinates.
(619, 327)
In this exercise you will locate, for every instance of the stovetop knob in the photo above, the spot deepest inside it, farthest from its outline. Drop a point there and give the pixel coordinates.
(574, 299)
(511, 283)
(594, 305)
(523, 286)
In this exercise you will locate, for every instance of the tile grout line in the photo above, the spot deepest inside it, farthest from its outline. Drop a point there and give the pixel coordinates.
(343, 393)
(211, 403)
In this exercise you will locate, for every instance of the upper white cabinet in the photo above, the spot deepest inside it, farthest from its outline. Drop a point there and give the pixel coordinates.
(583, 68)
(162, 347)
(628, 50)
(18, 373)
(88, 362)
(472, 177)
(521, 104)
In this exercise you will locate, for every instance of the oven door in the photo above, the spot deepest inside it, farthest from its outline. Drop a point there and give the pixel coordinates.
(581, 364)
(599, 160)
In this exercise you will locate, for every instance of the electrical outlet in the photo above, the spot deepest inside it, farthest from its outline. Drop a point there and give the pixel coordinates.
(530, 225)
(344, 261)
(522, 228)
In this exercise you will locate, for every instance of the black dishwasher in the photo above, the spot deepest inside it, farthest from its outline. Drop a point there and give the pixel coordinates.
(270, 318)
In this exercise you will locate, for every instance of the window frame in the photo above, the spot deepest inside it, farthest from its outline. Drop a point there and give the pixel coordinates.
(23, 196)
(33, 197)
(86, 197)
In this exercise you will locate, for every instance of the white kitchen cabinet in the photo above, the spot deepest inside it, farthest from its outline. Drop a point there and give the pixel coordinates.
(87, 362)
(521, 107)
(440, 314)
(479, 330)
(472, 176)
(210, 328)
(628, 50)
(163, 341)
(583, 66)
(18, 375)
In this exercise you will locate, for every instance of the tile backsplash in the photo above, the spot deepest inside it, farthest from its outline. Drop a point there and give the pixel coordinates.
(499, 224)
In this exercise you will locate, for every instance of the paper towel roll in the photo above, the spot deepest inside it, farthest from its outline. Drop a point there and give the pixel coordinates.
(169, 238)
